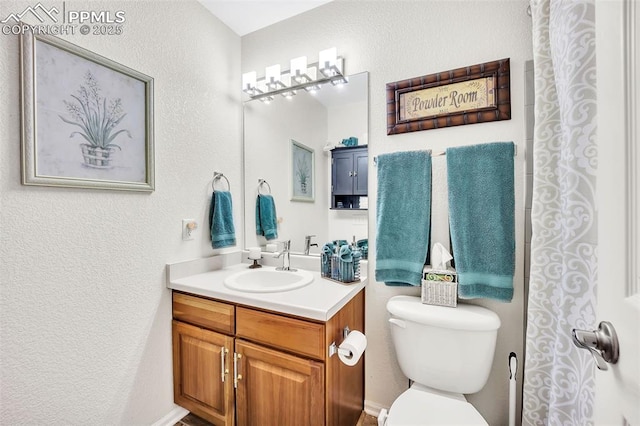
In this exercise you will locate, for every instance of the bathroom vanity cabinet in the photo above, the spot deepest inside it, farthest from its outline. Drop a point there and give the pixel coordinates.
(349, 176)
(235, 364)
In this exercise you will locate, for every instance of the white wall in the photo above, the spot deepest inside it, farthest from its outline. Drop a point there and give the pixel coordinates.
(85, 314)
(396, 41)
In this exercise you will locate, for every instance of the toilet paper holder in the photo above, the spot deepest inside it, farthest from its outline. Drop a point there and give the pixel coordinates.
(334, 349)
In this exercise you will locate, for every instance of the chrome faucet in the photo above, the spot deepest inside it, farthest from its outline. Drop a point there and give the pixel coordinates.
(286, 258)
(307, 243)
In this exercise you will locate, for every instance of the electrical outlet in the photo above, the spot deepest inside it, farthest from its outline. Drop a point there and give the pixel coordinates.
(189, 227)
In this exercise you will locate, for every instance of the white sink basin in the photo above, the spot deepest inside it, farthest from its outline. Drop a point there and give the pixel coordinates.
(268, 280)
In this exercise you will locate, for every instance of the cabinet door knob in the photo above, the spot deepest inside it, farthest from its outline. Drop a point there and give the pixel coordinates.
(355, 173)
(350, 174)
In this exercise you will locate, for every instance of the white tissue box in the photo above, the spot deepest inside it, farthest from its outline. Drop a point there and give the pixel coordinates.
(440, 287)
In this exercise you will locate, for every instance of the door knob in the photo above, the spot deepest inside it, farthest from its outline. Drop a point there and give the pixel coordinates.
(602, 343)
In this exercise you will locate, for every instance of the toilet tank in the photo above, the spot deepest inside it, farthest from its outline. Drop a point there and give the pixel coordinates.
(450, 349)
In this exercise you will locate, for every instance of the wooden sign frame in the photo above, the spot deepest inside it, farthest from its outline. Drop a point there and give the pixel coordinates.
(475, 94)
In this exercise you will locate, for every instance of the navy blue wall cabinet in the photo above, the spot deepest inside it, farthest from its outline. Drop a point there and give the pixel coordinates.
(349, 177)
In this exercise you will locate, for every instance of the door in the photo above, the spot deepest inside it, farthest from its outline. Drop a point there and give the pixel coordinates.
(617, 28)
(342, 171)
(278, 389)
(201, 379)
(361, 173)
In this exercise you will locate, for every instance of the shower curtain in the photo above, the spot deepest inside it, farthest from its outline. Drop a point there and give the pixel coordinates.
(558, 386)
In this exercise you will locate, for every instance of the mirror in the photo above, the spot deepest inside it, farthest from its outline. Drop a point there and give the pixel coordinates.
(289, 135)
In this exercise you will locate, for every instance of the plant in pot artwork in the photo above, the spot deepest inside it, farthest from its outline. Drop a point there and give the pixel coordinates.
(302, 172)
(97, 119)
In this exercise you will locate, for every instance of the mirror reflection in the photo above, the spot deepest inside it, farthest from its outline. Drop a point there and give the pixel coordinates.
(289, 145)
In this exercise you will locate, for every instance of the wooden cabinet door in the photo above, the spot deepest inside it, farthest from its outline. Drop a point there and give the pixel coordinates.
(202, 360)
(278, 389)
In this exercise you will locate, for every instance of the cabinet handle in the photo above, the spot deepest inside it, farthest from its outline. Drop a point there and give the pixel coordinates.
(355, 173)
(350, 174)
(236, 376)
(223, 364)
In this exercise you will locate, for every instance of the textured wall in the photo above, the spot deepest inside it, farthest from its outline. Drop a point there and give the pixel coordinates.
(84, 311)
(399, 40)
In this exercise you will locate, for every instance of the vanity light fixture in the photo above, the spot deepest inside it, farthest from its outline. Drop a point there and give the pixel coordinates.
(272, 76)
(266, 99)
(249, 83)
(328, 62)
(301, 75)
(330, 66)
(299, 70)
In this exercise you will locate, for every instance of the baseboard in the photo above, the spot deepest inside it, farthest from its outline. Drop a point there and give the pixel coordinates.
(373, 408)
(172, 417)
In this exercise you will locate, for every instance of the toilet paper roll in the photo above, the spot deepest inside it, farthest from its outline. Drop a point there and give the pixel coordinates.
(254, 253)
(352, 348)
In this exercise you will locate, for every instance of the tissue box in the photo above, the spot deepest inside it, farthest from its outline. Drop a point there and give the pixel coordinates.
(440, 287)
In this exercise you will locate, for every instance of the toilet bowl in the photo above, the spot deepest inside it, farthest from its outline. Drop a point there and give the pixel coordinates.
(446, 352)
(420, 405)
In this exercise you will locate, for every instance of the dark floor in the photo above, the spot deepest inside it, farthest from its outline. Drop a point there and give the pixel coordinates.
(193, 420)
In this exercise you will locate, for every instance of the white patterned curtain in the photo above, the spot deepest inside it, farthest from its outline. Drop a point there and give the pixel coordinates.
(558, 377)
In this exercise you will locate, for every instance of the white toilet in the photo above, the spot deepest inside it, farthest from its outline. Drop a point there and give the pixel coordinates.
(446, 352)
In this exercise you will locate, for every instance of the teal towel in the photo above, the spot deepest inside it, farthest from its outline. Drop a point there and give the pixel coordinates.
(327, 251)
(346, 253)
(223, 233)
(402, 217)
(346, 263)
(266, 219)
(481, 216)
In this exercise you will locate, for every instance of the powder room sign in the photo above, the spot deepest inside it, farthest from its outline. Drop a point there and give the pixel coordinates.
(474, 94)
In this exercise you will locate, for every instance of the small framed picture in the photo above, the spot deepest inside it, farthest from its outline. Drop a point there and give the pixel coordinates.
(87, 121)
(302, 172)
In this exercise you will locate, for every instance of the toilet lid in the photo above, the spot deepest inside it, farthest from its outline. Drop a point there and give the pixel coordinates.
(416, 407)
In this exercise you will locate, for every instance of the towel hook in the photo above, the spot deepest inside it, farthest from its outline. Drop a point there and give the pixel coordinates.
(263, 182)
(217, 176)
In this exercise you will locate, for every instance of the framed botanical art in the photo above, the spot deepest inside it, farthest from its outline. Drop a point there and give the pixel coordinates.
(87, 121)
(302, 172)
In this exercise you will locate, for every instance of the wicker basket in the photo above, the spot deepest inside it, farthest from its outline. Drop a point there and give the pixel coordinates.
(440, 288)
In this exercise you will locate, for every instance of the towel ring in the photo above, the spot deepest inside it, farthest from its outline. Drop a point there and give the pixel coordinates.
(217, 176)
(263, 182)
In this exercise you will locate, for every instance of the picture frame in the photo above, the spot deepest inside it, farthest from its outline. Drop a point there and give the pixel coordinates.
(302, 172)
(87, 121)
(474, 94)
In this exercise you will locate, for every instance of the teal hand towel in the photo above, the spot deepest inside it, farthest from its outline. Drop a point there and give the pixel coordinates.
(402, 216)
(327, 251)
(346, 263)
(481, 216)
(266, 219)
(223, 233)
(346, 255)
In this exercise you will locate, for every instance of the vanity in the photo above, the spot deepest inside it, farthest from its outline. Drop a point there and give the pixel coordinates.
(250, 357)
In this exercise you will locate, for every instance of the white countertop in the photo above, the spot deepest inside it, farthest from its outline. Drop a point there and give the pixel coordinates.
(319, 300)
